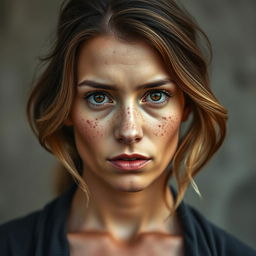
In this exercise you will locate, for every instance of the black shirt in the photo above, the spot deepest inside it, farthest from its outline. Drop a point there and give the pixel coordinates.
(43, 233)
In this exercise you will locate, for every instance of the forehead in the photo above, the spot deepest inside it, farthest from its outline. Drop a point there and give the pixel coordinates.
(106, 52)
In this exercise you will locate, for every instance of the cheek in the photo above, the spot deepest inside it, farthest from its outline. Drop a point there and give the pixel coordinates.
(167, 126)
(88, 129)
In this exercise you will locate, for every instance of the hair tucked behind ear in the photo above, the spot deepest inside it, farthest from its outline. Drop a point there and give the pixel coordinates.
(170, 30)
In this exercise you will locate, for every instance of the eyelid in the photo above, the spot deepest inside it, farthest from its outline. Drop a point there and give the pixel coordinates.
(148, 91)
(88, 94)
(159, 90)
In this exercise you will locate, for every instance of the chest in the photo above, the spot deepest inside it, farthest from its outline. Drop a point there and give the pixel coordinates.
(91, 245)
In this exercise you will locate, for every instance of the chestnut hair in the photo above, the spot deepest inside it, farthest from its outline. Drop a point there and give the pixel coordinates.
(169, 29)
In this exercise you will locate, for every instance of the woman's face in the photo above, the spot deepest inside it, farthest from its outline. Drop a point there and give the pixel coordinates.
(125, 103)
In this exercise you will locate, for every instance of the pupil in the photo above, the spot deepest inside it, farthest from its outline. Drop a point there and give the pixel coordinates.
(155, 96)
(99, 98)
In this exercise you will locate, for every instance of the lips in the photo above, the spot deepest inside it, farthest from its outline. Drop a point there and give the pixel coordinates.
(129, 157)
(129, 162)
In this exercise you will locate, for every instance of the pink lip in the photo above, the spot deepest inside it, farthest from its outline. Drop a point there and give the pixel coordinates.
(129, 165)
(135, 155)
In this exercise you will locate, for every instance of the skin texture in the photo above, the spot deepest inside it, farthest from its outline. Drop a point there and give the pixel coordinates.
(125, 208)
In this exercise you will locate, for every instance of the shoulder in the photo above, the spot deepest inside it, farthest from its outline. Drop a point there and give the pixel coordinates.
(23, 235)
(17, 235)
(25, 224)
(212, 239)
(40, 231)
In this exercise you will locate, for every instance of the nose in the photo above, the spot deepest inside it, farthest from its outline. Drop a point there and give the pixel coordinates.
(129, 127)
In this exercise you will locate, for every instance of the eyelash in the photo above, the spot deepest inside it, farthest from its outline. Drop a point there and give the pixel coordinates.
(89, 94)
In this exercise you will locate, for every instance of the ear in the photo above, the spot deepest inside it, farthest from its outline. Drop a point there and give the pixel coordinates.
(186, 112)
(68, 122)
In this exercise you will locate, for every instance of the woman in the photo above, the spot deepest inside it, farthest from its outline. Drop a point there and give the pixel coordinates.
(123, 77)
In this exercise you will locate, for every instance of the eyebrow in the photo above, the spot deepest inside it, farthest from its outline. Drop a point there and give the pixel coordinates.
(99, 85)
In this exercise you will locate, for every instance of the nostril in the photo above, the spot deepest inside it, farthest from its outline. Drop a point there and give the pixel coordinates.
(129, 140)
(128, 132)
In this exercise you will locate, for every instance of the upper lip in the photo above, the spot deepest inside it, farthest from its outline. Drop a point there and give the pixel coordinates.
(139, 156)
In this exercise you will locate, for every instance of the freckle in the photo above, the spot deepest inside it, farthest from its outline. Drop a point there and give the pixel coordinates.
(87, 121)
(164, 118)
(162, 134)
(159, 125)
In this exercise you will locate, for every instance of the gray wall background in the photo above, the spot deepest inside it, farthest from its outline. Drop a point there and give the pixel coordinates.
(227, 183)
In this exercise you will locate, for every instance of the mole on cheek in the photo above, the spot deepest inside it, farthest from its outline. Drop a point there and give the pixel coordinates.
(165, 126)
(91, 127)
(84, 125)
(95, 124)
(89, 123)
(99, 130)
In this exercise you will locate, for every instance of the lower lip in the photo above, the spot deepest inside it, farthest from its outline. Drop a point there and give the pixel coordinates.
(129, 165)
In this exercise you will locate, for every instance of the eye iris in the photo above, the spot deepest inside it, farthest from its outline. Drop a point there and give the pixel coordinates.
(155, 96)
(99, 98)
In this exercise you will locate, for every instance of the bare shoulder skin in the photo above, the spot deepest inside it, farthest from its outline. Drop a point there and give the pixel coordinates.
(127, 103)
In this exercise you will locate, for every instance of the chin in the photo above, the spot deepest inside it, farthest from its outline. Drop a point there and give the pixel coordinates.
(130, 189)
(130, 185)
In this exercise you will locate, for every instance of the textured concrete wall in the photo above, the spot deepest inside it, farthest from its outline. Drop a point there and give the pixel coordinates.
(228, 182)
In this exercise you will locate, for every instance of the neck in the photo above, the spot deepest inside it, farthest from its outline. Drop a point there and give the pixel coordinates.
(123, 214)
